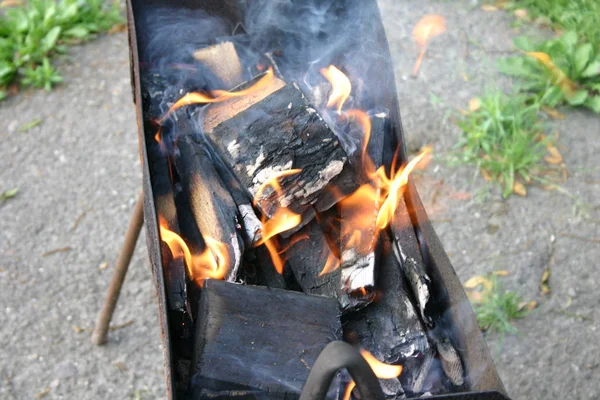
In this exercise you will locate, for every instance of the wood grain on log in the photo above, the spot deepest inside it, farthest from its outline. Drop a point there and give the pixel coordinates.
(211, 204)
(222, 59)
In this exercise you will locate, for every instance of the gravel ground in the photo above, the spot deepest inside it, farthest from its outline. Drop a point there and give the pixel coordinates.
(70, 215)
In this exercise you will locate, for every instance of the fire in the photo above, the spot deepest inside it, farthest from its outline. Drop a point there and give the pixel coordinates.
(217, 96)
(373, 205)
(282, 220)
(211, 263)
(341, 87)
(427, 28)
(381, 370)
(394, 186)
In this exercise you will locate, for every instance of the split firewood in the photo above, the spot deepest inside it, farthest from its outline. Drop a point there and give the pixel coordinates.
(308, 256)
(250, 221)
(222, 59)
(260, 135)
(358, 262)
(408, 253)
(450, 360)
(389, 327)
(173, 268)
(258, 341)
(211, 204)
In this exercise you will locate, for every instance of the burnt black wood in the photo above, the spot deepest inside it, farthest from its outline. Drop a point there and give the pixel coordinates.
(259, 340)
(389, 327)
(307, 258)
(281, 132)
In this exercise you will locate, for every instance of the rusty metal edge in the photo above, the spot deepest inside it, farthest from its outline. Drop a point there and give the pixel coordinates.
(150, 218)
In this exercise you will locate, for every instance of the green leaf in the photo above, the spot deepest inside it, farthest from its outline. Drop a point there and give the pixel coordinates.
(514, 66)
(593, 103)
(552, 96)
(8, 194)
(78, 31)
(30, 125)
(3, 94)
(583, 54)
(592, 69)
(6, 70)
(523, 43)
(50, 39)
(578, 97)
(569, 39)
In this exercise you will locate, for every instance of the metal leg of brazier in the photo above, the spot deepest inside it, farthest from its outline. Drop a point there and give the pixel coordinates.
(114, 289)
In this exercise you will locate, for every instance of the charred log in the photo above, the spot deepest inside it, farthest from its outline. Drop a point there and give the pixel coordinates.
(283, 333)
(389, 327)
(212, 206)
(173, 269)
(408, 253)
(307, 257)
(280, 132)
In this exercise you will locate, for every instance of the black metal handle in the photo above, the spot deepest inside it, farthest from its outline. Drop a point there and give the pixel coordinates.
(335, 356)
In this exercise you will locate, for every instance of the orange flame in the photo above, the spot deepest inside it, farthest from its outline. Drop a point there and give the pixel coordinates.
(217, 96)
(340, 84)
(372, 207)
(381, 370)
(394, 187)
(282, 220)
(212, 263)
(427, 28)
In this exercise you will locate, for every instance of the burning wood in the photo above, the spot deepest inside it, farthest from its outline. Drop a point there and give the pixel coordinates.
(389, 327)
(359, 212)
(213, 209)
(280, 132)
(172, 260)
(257, 341)
(309, 256)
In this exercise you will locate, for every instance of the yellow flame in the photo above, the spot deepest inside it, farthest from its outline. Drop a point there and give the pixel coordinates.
(212, 263)
(217, 96)
(381, 370)
(341, 87)
(395, 189)
(283, 219)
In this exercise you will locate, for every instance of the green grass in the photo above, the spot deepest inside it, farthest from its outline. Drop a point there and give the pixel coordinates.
(580, 16)
(31, 34)
(496, 308)
(568, 71)
(503, 138)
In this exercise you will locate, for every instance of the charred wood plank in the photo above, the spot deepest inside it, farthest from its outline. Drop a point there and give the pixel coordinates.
(222, 59)
(252, 339)
(278, 133)
(408, 253)
(389, 327)
(211, 204)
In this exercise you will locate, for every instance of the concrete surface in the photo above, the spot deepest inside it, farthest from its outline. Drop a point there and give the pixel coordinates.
(78, 173)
